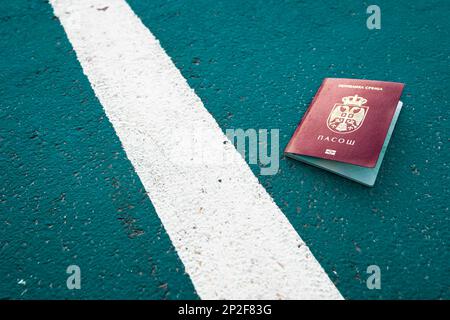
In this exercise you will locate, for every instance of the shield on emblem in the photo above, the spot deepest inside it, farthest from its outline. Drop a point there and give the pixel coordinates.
(348, 116)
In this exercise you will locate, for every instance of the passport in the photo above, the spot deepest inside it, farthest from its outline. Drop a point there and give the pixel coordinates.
(347, 127)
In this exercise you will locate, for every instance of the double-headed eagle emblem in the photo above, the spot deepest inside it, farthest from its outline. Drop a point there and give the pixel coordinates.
(347, 116)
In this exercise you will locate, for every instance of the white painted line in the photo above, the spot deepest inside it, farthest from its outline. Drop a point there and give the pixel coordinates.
(232, 238)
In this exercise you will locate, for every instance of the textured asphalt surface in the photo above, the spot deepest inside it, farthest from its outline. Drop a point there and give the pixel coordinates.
(68, 194)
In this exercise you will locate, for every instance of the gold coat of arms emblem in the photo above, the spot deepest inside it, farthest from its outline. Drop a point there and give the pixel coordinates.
(347, 116)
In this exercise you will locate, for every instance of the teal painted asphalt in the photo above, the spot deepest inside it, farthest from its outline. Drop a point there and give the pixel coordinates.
(68, 193)
(257, 64)
(70, 196)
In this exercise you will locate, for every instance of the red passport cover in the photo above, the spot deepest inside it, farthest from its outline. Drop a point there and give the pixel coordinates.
(347, 121)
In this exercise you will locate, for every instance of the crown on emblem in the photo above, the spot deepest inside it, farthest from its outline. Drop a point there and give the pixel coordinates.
(354, 100)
